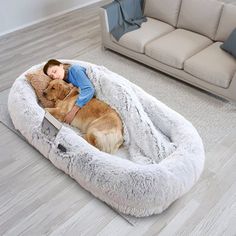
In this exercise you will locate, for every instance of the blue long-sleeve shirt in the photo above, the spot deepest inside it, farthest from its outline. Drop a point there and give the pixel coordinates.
(77, 76)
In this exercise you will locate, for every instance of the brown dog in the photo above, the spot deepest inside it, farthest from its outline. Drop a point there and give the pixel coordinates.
(100, 124)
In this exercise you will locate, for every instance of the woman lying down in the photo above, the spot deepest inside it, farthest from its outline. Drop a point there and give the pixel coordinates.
(75, 104)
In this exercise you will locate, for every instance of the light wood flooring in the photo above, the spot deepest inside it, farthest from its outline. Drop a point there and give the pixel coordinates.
(38, 199)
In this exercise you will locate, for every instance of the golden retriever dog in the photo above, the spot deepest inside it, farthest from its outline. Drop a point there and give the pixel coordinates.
(99, 123)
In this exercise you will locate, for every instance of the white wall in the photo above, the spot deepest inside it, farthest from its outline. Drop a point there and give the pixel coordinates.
(17, 14)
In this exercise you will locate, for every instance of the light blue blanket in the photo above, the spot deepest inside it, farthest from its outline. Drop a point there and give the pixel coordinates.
(124, 16)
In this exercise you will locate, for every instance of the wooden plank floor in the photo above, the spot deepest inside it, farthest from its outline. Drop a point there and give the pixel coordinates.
(38, 199)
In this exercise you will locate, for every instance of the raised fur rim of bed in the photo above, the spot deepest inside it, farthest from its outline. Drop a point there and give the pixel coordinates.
(166, 154)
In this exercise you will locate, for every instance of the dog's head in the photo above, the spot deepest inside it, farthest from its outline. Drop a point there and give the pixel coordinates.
(57, 89)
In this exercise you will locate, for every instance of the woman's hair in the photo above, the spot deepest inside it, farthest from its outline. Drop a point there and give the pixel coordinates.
(50, 63)
(53, 62)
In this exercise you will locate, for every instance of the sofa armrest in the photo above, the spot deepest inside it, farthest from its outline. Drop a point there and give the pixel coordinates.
(106, 36)
(233, 83)
(232, 88)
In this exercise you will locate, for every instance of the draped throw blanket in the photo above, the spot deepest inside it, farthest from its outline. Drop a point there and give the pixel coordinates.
(146, 143)
(124, 16)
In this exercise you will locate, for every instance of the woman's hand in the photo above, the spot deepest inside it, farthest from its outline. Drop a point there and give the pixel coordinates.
(71, 114)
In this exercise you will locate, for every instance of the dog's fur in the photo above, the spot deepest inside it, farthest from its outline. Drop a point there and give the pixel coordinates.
(100, 124)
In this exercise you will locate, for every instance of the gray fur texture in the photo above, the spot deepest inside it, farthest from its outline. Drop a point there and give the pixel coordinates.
(165, 153)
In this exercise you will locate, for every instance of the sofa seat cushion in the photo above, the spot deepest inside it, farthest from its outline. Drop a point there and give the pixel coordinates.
(212, 65)
(137, 39)
(175, 47)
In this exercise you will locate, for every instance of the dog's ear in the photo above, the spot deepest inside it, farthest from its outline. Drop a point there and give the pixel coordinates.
(63, 91)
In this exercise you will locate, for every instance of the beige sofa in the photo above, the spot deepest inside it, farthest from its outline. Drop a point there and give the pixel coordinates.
(182, 39)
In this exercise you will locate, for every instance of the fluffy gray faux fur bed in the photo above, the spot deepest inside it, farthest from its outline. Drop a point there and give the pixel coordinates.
(165, 153)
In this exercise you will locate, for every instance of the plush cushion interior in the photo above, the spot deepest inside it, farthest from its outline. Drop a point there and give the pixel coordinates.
(166, 11)
(39, 81)
(175, 47)
(212, 65)
(227, 22)
(137, 39)
(139, 125)
(200, 16)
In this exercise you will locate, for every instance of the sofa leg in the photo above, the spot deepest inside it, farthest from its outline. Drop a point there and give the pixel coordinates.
(104, 48)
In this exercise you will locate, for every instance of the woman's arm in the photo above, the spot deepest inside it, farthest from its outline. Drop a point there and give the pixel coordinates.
(78, 77)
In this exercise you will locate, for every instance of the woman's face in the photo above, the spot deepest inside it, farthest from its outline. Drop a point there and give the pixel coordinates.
(56, 72)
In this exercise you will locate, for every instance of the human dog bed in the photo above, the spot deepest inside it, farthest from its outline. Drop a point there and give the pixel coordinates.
(165, 152)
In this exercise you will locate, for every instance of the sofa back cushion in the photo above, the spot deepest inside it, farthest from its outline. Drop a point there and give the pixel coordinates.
(200, 16)
(227, 22)
(163, 10)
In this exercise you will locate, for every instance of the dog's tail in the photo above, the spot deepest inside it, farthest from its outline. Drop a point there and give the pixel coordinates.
(107, 142)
